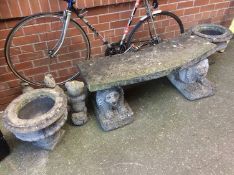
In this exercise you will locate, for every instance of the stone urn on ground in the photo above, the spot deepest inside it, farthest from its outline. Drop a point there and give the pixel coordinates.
(38, 115)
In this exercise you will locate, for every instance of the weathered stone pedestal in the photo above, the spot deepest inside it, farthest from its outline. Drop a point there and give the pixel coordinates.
(50, 142)
(192, 81)
(111, 109)
(76, 98)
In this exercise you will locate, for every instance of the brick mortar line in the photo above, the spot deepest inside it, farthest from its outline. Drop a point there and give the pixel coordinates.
(9, 8)
(89, 7)
(49, 5)
(30, 6)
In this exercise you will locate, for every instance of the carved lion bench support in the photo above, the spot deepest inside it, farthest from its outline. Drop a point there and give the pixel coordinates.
(192, 82)
(111, 109)
(183, 60)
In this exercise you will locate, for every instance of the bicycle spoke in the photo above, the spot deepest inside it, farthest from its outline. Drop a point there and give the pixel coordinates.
(29, 45)
(168, 26)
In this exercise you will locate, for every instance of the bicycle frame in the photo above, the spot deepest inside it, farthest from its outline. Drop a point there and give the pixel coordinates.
(59, 44)
(71, 8)
(126, 30)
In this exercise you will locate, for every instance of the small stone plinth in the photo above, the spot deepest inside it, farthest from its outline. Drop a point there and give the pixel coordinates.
(77, 94)
(37, 116)
(111, 109)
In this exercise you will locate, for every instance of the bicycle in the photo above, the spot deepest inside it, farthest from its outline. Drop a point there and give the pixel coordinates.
(55, 43)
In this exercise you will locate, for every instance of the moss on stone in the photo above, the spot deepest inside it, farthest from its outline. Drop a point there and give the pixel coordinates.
(150, 63)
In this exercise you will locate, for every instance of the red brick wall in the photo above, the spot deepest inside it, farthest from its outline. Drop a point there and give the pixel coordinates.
(109, 17)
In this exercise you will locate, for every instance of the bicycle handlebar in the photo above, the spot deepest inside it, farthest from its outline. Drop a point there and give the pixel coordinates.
(70, 4)
(73, 1)
(155, 3)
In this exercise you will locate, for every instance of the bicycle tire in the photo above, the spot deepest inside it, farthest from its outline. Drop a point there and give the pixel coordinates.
(161, 14)
(16, 31)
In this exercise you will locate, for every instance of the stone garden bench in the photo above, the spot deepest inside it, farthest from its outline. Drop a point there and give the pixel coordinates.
(183, 60)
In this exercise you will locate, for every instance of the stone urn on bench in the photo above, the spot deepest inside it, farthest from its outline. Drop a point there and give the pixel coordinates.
(214, 33)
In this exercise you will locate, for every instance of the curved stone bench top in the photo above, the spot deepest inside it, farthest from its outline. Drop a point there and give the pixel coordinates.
(150, 63)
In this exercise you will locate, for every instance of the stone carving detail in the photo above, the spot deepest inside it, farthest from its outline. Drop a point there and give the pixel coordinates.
(26, 87)
(49, 81)
(111, 108)
(192, 81)
(76, 98)
(196, 73)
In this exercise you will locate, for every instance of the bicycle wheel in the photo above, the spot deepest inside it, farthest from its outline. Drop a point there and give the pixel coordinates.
(28, 44)
(168, 26)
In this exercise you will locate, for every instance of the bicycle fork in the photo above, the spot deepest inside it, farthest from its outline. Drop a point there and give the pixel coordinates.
(67, 17)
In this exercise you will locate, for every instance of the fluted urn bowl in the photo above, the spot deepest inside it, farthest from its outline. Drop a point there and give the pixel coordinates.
(36, 115)
(213, 32)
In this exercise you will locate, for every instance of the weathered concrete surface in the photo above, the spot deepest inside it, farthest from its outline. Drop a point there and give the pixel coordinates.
(151, 63)
(170, 135)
